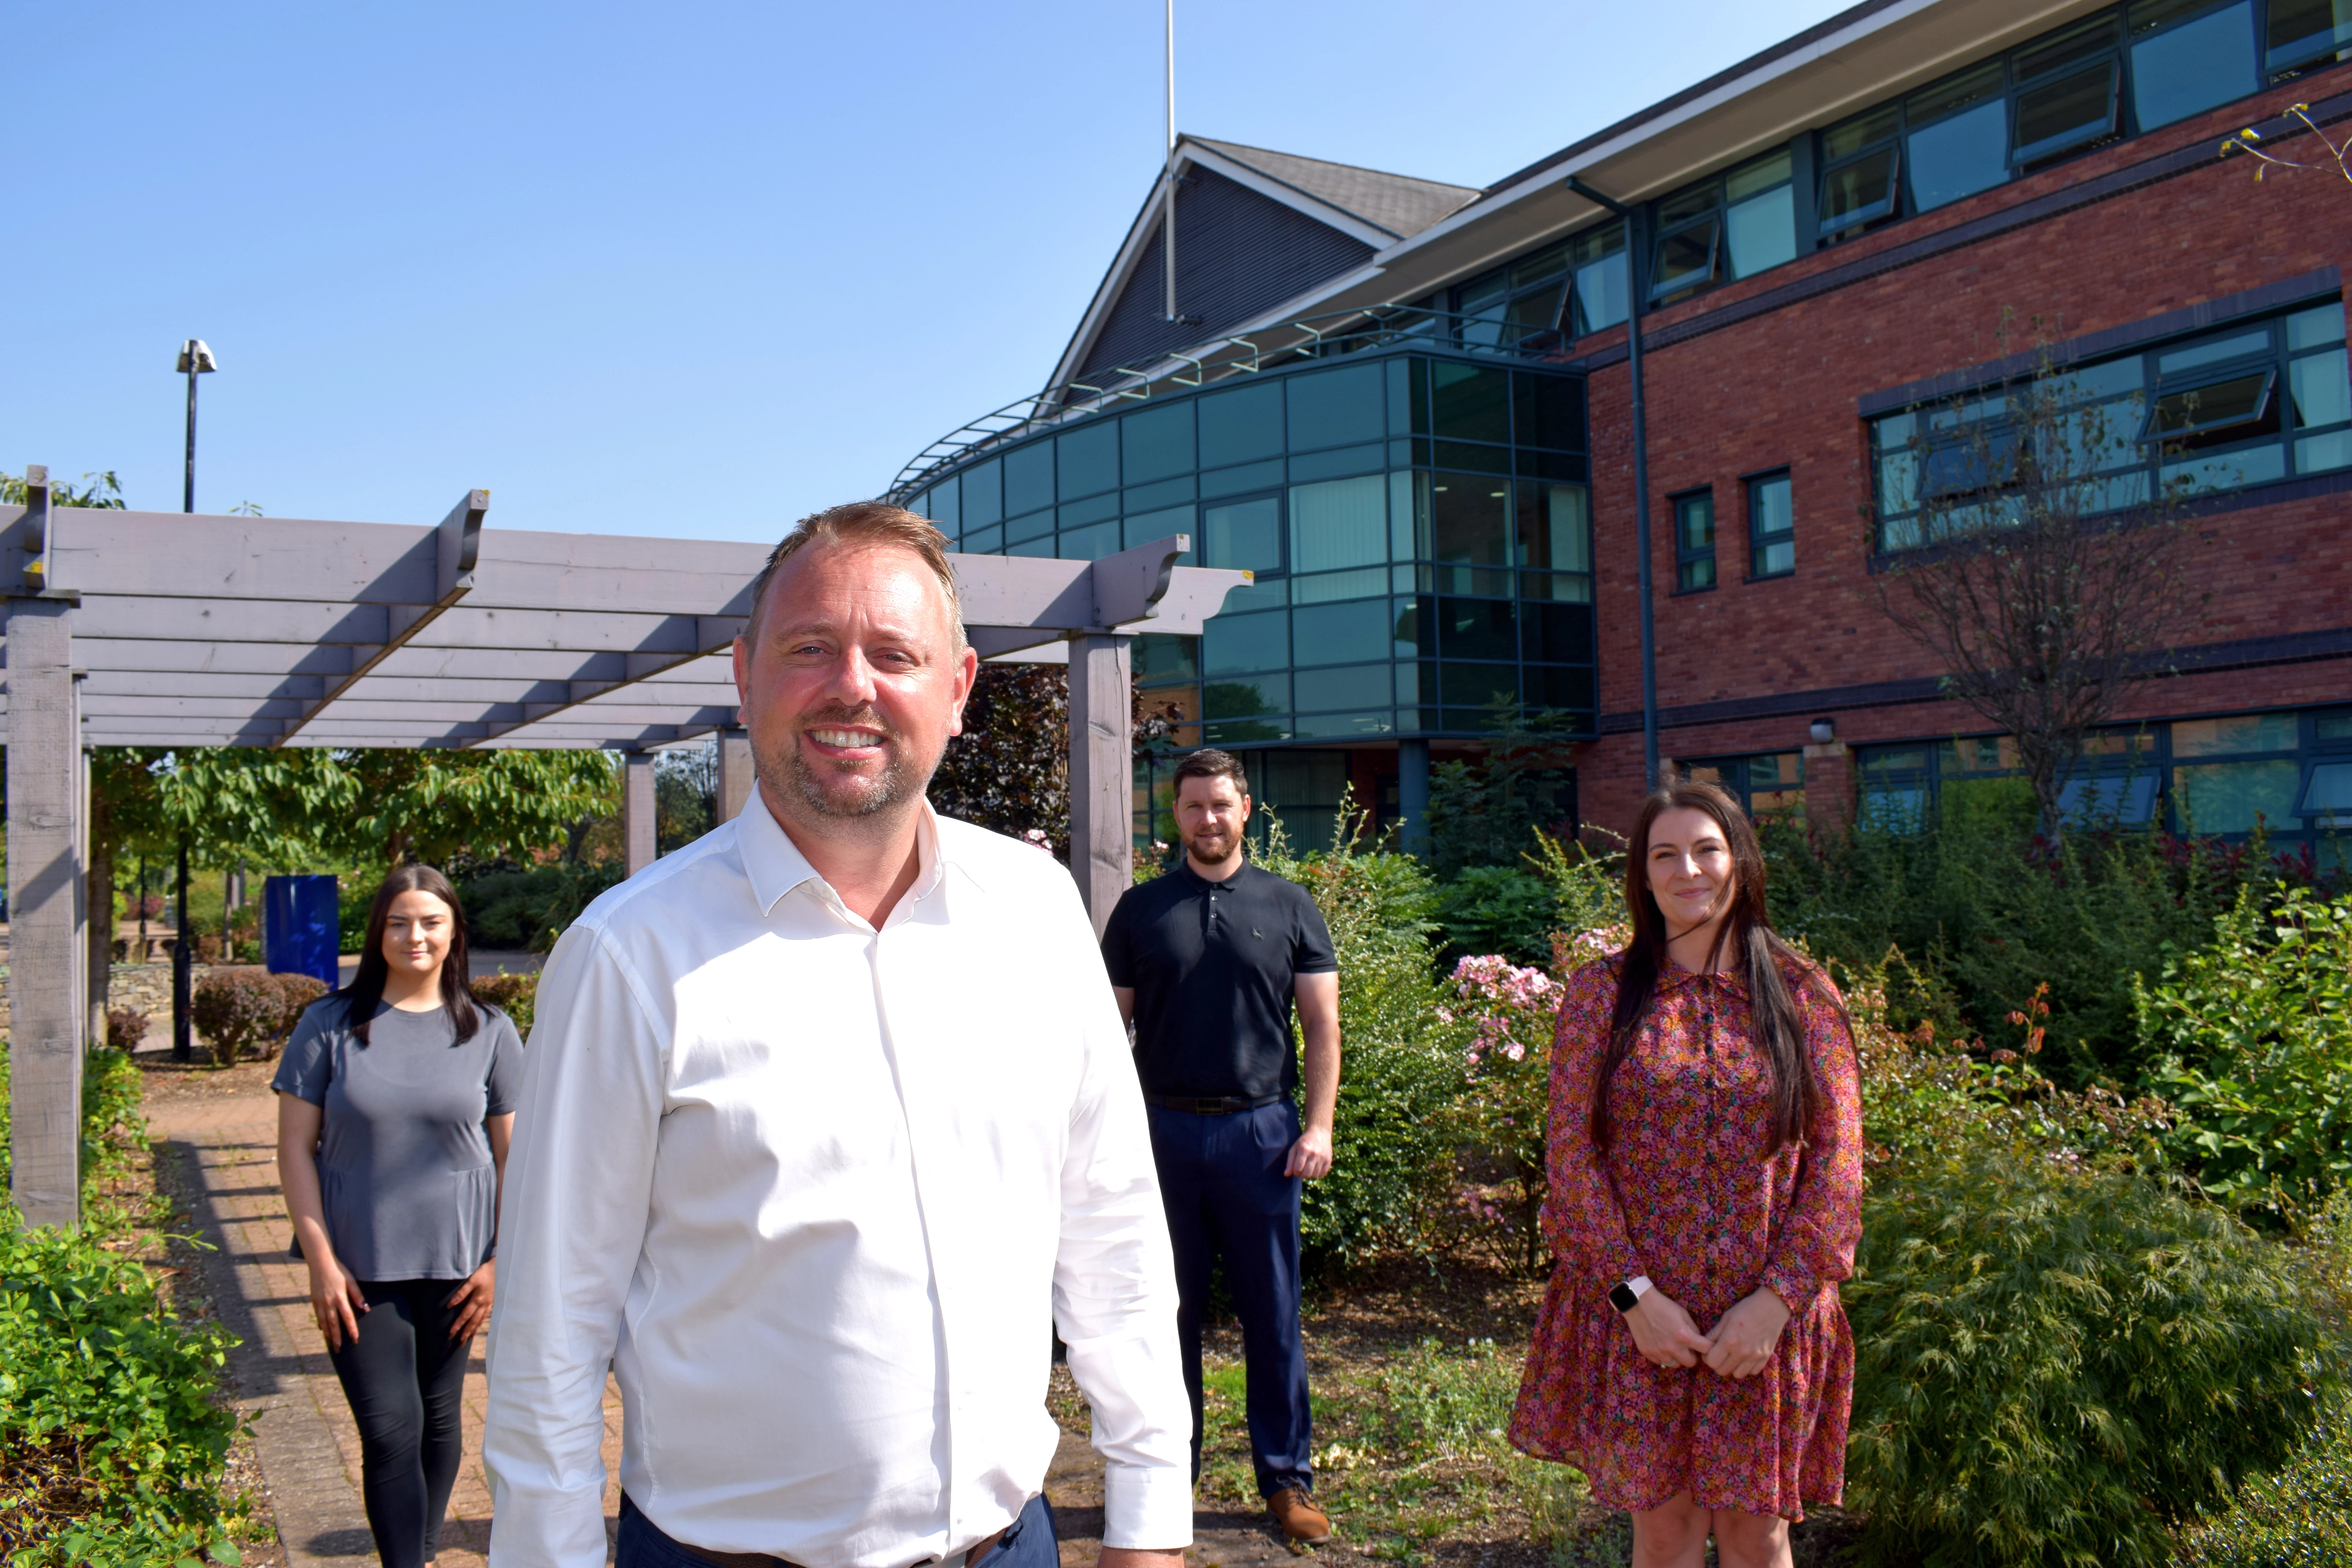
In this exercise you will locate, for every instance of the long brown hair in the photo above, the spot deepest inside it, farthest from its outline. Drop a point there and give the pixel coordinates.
(366, 988)
(1763, 957)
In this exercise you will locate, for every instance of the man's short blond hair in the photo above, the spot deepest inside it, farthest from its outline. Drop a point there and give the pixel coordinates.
(863, 524)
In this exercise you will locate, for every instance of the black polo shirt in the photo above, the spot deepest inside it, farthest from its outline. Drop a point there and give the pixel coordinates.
(1211, 965)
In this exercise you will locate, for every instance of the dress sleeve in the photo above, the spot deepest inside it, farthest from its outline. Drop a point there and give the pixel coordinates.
(1824, 1219)
(1583, 1218)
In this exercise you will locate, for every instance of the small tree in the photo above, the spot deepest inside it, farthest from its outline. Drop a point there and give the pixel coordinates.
(1010, 768)
(2036, 561)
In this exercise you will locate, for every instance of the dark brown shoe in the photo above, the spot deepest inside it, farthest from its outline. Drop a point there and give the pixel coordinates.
(1294, 1510)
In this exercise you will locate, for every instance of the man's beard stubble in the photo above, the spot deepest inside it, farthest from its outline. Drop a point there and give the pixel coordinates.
(898, 783)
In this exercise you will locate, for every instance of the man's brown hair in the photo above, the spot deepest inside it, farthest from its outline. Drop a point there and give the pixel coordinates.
(1208, 763)
(863, 522)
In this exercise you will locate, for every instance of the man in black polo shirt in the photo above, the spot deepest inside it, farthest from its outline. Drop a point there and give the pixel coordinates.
(1206, 963)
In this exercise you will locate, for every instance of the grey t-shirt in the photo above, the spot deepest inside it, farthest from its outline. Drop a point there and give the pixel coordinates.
(404, 1164)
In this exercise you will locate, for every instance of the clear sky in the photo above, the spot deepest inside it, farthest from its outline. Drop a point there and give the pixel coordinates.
(690, 270)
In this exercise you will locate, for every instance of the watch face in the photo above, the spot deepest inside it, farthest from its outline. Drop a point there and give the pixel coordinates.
(1622, 1297)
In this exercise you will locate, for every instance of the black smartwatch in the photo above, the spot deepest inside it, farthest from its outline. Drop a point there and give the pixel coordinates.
(1624, 1297)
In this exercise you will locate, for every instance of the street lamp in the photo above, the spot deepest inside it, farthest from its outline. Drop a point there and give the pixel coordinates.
(195, 360)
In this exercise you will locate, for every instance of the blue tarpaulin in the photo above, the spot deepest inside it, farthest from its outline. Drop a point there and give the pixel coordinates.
(299, 928)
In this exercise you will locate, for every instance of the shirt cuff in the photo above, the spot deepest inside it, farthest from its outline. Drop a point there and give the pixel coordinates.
(1147, 1508)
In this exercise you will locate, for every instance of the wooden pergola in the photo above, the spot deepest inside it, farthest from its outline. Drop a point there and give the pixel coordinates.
(128, 629)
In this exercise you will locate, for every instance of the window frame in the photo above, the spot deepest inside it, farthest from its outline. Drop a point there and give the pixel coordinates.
(1758, 540)
(1687, 556)
(1715, 215)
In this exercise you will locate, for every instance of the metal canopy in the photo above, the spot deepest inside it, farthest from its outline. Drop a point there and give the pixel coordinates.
(243, 631)
(128, 629)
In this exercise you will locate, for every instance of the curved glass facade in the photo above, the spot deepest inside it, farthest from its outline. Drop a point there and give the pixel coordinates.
(1420, 527)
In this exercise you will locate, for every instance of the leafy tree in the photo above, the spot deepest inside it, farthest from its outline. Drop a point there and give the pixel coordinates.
(1010, 768)
(1487, 812)
(2040, 573)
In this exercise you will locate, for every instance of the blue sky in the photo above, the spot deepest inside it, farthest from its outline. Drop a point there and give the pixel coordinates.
(690, 269)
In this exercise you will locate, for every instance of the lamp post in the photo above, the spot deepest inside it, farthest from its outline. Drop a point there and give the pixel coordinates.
(195, 360)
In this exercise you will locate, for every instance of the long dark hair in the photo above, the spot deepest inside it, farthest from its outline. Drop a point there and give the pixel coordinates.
(1748, 933)
(366, 988)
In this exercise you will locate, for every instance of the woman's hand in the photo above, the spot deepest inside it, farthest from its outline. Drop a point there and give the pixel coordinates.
(335, 1300)
(472, 1299)
(1744, 1336)
(1664, 1333)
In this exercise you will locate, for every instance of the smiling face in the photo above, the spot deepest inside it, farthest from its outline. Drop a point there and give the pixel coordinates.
(1689, 867)
(850, 683)
(1209, 815)
(416, 932)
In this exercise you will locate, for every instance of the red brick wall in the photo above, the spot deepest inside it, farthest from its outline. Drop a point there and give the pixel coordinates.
(1781, 390)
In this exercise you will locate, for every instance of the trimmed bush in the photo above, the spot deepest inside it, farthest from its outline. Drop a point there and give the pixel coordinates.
(249, 1009)
(125, 1028)
(516, 995)
(2055, 1364)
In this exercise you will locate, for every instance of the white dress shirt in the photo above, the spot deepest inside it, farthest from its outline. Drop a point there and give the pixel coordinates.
(812, 1189)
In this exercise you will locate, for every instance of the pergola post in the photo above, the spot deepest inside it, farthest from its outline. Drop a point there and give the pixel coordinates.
(46, 995)
(1102, 772)
(638, 842)
(736, 777)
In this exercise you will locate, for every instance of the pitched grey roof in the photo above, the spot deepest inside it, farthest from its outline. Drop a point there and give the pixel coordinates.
(1398, 203)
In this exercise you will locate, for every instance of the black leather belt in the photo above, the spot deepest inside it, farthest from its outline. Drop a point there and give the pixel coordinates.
(1215, 1105)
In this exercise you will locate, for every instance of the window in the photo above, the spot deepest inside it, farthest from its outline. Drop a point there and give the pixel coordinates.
(1957, 137)
(2188, 57)
(1693, 542)
(1771, 527)
(1773, 781)
(1245, 535)
(1555, 542)
(2304, 33)
(1597, 257)
(1734, 225)
(2251, 403)
(1861, 160)
(2069, 88)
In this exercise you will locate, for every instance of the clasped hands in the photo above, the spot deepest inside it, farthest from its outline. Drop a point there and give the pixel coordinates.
(1738, 1346)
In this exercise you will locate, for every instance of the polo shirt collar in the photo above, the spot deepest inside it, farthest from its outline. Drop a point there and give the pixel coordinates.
(1185, 866)
(776, 866)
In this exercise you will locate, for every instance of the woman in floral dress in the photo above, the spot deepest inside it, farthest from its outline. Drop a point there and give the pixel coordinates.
(1705, 1159)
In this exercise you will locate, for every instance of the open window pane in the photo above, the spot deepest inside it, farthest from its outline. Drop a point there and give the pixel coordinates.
(1960, 156)
(2067, 112)
(1859, 193)
(2239, 406)
(1686, 260)
(2301, 31)
(2194, 66)
(2327, 793)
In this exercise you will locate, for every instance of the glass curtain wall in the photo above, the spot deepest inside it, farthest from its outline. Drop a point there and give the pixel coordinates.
(1420, 529)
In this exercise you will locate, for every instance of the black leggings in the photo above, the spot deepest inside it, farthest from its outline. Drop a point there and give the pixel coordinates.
(403, 1376)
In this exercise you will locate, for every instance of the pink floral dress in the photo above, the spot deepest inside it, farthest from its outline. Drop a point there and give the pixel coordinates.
(1686, 1195)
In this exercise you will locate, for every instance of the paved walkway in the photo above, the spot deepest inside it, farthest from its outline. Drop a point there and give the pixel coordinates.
(225, 1126)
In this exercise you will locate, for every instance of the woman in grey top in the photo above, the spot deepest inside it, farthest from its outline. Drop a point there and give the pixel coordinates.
(395, 1104)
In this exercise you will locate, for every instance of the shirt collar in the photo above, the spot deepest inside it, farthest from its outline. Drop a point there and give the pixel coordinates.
(1185, 866)
(1673, 977)
(776, 866)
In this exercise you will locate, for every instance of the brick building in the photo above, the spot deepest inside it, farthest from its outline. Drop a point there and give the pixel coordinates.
(1409, 407)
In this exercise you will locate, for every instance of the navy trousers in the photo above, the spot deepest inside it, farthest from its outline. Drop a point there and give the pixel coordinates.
(1028, 1541)
(1221, 1178)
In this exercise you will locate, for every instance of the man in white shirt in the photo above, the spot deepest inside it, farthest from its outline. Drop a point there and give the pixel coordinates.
(823, 1115)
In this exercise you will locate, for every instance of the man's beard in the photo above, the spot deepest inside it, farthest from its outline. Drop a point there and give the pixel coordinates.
(900, 780)
(1210, 847)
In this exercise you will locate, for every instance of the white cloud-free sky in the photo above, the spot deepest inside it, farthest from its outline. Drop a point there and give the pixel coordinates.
(690, 269)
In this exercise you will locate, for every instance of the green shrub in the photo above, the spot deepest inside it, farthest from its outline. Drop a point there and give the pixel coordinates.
(528, 908)
(2252, 1040)
(516, 995)
(249, 1009)
(2299, 1516)
(1392, 1157)
(1987, 911)
(112, 1444)
(1502, 909)
(2054, 1363)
